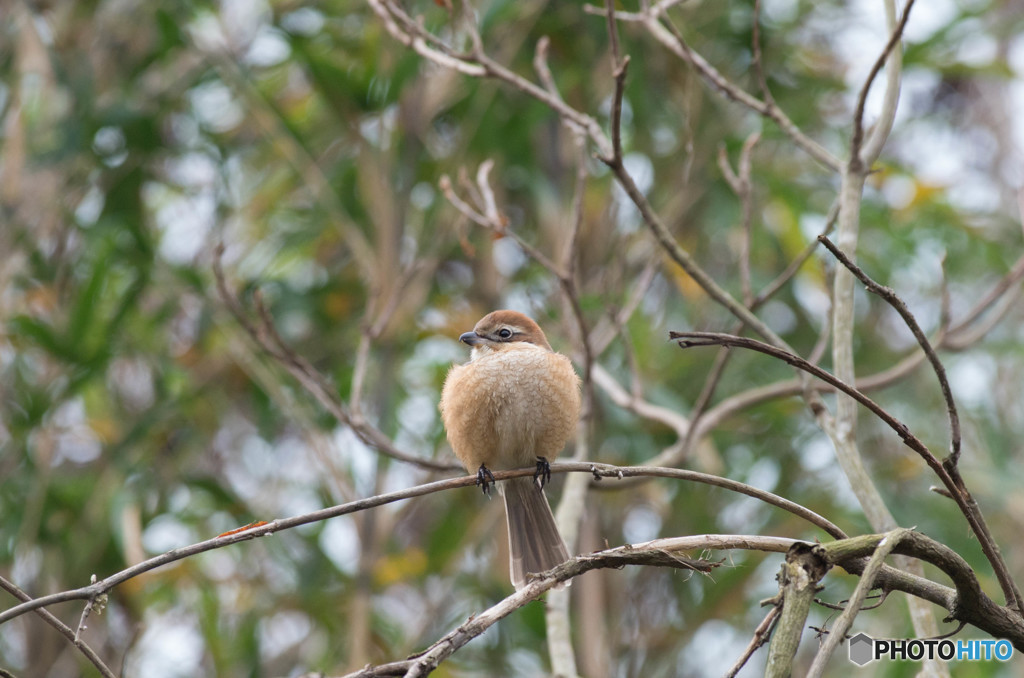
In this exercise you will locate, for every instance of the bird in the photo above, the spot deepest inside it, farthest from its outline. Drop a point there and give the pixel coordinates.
(514, 404)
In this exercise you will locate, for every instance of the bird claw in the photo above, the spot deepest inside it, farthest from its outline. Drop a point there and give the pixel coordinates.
(543, 473)
(485, 479)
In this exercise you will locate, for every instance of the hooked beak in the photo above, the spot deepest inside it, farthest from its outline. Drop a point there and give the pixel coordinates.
(471, 338)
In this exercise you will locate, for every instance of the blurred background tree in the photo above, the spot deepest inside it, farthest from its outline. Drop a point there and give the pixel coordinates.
(137, 415)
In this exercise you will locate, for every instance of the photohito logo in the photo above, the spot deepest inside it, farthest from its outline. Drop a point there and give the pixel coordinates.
(865, 649)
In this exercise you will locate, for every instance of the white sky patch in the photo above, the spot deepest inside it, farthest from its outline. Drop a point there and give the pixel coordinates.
(508, 256)
(215, 107)
(170, 647)
(192, 170)
(640, 168)
(780, 11)
(714, 647)
(978, 48)
(361, 459)
(184, 222)
(219, 565)
(927, 18)
(971, 378)
(76, 441)
(303, 21)
(340, 542)
(242, 20)
(812, 298)
(779, 316)
(165, 533)
(281, 631)
(268, 48)
(91, 206)
(899, 191)
(422, 195)
(817, 454)
(641, 524)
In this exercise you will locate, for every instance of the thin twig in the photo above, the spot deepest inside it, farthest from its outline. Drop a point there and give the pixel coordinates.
(740, 184)
(659, 553)
(864, 586)
(691, 339)
(263, 529)
(667, 34)
(890, 297)
(844, 604)
(947, 473)
(761, 635)
(758, 56)
(619, 67)
(540, 64)
(267, 338)
(857, 138)
(787, 274)
(61, 627)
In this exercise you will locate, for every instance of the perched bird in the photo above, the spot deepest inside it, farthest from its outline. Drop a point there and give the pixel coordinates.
(514, 404)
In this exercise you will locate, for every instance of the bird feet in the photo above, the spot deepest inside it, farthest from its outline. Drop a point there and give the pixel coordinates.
(543, 473)
(485, 479)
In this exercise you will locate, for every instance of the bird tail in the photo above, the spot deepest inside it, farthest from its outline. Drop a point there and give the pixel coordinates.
(533, 539)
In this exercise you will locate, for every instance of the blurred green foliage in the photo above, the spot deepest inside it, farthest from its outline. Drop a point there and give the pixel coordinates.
(137, 416)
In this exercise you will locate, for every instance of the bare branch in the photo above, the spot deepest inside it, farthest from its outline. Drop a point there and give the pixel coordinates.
(741, 186)
(947, 473)
(540, 64)
(690, 339)
(267, 338)
(890, 297)
(761, 635)
(262, 529)
(62, 628)
(857, 161)
(798, 580)
(619, 67)
(758, 57)
(1007, 283)
(673, 40)
(661, 552)
(864, 586)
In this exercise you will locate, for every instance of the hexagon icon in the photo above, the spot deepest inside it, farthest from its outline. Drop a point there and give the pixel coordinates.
(862, 649)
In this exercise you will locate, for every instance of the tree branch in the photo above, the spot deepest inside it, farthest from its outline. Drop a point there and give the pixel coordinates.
(861, 161)
(265, 336)
(838, 632)
(62, 628)
(890, 297)
(947, 473)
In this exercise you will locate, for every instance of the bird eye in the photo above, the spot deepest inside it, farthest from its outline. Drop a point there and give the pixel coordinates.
(504, 333)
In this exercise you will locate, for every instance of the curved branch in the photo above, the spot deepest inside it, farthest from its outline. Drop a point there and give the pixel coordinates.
(690, 339)
(659, 553)
(969, 604)
(62, 628)
(263, 529)
(837, 634)
(892, 59)
(946, 471)
(265, 336)
(966, 603)
(891, 298)
(674, 42)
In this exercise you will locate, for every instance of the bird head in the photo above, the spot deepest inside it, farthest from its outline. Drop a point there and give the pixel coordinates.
(500, 330)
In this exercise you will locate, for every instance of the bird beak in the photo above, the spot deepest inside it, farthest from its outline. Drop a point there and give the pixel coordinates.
(471, 338)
